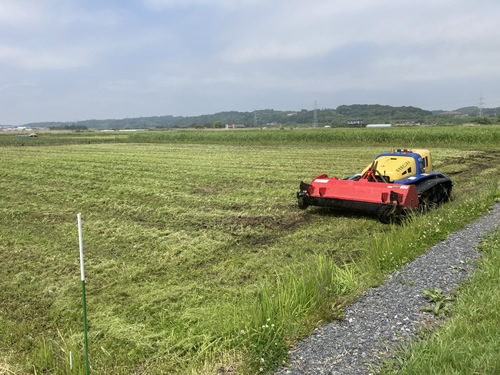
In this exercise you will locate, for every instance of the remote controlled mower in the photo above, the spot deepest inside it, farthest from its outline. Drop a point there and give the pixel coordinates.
(394, 184)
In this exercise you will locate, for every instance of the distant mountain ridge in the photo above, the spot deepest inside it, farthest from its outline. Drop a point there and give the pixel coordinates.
(259, 118)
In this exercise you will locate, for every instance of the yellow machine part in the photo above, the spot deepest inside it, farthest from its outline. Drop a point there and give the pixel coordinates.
(398, 165)
(426, 156)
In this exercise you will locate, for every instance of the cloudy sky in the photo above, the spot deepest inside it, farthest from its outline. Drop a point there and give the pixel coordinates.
(70, 60)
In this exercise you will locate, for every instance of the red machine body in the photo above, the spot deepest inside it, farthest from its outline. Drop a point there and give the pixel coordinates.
(363, 190)
(368, 193)
(405, 182)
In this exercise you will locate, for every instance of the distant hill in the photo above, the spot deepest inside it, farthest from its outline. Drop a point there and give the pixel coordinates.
(474, 111)
(371, 110)
(368, 113)
(471, 111)
(248, 118)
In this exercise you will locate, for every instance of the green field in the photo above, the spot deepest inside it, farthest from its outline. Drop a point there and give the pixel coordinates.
(197, 257)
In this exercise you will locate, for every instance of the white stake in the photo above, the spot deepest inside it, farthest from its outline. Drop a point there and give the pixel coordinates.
(81, 245)
(83, 295)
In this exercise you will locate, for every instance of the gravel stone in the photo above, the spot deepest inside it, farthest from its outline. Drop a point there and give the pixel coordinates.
(386, 316)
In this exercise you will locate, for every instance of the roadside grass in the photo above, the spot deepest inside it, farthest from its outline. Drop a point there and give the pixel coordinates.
(197, 258)
(391, 249)
(468, 342)
(327, 287)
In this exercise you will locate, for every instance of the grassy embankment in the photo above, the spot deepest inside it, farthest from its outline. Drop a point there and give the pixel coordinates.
(197, 258)
(467, 343)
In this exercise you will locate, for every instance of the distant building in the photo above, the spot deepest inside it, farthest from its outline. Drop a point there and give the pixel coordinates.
(378, 125)
(355, 122)
(292, 114)
(235, 126)
(408, 123)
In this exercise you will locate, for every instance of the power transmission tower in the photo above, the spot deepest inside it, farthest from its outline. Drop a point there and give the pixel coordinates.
(255, 118)
(481, 106)
(315, 115)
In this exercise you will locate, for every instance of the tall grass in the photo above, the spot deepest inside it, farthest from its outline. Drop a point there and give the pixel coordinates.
(459, 136)
(422, 136)
(392, 249)
(63, 354)
(290, 306)
(468, 343)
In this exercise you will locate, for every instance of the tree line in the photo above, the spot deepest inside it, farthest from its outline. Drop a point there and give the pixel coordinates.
(269, 117)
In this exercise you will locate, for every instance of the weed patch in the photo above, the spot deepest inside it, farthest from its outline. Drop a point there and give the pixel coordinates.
(441, 303)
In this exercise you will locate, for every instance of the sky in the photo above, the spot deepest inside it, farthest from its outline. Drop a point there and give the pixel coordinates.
(73, 60)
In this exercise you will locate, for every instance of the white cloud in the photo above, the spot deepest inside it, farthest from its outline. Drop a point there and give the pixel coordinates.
(21, 13)
(42, 59)
(27, 15)
(220, 51)
(446, 64)
(391, 42)
(22, 83)
(169, 4)
(58, 34)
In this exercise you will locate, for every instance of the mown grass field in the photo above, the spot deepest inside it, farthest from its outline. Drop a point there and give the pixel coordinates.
(197, 257)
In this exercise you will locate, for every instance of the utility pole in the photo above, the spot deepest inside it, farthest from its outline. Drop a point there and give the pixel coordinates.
(481, 106)
(315, 115)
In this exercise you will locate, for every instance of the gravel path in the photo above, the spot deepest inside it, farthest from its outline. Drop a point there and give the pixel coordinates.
(391, 313)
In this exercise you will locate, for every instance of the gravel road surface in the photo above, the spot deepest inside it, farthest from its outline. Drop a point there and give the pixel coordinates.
(391, 313)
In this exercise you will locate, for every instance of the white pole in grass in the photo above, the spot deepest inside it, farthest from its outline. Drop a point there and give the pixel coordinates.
(83, 294)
